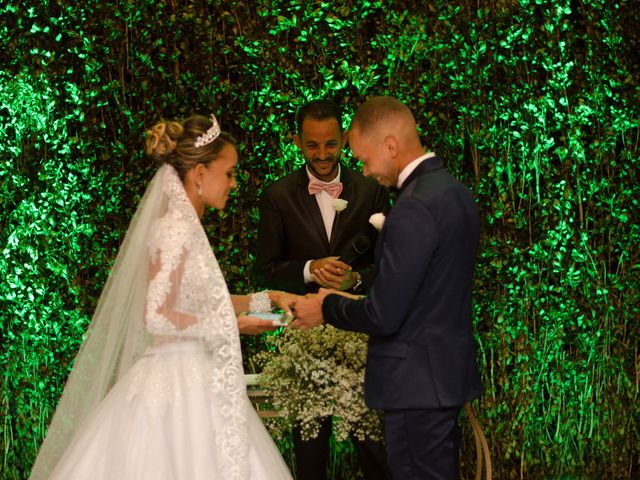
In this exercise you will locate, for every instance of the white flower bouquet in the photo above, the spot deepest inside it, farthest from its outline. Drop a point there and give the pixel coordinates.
(318, 373)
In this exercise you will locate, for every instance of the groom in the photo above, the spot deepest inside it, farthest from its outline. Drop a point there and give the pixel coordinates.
(421, 364)
(304, 241)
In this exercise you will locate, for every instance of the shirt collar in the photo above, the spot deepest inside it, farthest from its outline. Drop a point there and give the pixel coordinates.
(406, 171)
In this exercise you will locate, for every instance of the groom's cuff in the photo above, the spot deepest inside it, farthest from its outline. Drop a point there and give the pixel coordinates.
(333, 309)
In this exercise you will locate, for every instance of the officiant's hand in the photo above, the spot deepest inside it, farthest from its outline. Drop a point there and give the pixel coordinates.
(249, 325)
(338, 282)
(329, 272)
(307, 311)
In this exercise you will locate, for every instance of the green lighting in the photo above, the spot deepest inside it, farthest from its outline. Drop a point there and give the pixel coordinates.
(534, 104)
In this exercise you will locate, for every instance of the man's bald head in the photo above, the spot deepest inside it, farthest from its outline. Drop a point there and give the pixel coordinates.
(383, 137)
(382, 116)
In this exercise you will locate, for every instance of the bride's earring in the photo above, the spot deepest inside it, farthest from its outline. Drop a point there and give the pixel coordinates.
(199, 189)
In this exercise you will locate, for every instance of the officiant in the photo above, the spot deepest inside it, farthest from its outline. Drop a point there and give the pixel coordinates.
(314, 231)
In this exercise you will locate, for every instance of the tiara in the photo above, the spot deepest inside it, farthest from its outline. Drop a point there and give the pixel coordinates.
(210, 135)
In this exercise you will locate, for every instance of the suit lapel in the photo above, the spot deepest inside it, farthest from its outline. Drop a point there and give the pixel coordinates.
(430, 164)
(339, 219)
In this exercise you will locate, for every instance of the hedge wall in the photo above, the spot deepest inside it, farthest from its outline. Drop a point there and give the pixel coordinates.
(534, 104)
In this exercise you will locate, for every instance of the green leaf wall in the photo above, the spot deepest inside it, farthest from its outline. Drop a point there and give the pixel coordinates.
(534, 104)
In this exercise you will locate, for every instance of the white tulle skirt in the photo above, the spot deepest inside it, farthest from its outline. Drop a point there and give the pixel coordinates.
(163, 421)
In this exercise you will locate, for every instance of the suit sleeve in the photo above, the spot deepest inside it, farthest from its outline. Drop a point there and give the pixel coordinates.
(409, 240)
(272, 268)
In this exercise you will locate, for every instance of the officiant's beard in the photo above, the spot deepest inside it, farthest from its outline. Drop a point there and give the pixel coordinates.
(324, 169)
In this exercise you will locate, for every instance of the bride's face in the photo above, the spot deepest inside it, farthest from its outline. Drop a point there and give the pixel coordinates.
(220, 178)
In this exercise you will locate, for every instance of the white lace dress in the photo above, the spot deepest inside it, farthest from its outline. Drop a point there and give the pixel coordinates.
(181, 411)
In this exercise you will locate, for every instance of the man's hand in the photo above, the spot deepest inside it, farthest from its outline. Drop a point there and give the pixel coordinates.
(347, 280)
(330, 272)
(308, 310)
(255, 326)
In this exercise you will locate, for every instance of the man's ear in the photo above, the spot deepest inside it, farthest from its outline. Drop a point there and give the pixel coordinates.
(345, 138)
(298, 141)
(391, 144)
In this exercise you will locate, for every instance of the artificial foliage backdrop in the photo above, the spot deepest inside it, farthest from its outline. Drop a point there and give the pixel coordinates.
(534, 104)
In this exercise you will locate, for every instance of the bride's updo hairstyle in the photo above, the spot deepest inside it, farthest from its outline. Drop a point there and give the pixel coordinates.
(173, 142)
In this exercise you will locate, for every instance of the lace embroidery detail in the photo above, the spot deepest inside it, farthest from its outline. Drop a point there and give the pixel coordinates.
(156, 379)
(260, 302)
(189, 283)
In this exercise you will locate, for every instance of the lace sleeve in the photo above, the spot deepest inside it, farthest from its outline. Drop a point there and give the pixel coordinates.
(165, 310)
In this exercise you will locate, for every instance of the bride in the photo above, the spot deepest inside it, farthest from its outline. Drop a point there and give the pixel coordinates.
(157, 389)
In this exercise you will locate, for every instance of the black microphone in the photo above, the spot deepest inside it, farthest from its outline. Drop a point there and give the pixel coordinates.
(358, 248)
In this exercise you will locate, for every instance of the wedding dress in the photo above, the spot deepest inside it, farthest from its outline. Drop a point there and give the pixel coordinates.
(171, 399)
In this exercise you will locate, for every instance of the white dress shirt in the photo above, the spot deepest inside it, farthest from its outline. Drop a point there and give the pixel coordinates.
(325, 202)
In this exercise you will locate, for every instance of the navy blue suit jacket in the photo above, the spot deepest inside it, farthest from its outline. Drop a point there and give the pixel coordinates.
(418, 313)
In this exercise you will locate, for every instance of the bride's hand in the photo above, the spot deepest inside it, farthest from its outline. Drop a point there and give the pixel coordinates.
(283, 300)
(249, 325)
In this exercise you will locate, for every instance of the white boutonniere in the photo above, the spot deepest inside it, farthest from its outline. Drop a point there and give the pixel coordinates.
(377, 220)
(339, 204)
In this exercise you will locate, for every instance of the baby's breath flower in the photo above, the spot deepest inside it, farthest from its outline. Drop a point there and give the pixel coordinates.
(318, 373)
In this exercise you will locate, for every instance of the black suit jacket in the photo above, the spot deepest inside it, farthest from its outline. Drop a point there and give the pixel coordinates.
(291, 230)
(418, 314)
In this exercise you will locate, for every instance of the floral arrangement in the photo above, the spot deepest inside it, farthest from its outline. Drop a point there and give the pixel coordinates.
(318, 373)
